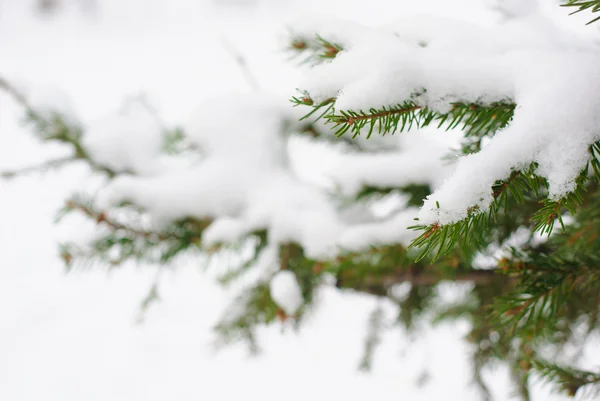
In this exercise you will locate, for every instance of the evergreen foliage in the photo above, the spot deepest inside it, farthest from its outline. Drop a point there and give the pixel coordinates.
(535, 299)
(593, 5)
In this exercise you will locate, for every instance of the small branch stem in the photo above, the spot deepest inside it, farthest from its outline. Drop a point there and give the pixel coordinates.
(352, 120)
(102, 218)
(50, 164)
(241, 62)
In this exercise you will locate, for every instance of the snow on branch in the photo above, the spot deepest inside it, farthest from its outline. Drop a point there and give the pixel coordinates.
(533, 87)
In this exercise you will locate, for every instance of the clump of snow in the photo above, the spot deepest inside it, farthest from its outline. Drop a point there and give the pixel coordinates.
(224, 230)
(247, 178)
(243, 181)
(550, 74)
(45, 100)
(391, 230)
(418, 159)
(130, 141)
(246, 181)
(286, 292)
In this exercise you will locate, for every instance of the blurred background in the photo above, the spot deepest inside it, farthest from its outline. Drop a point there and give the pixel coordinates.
(78, 336)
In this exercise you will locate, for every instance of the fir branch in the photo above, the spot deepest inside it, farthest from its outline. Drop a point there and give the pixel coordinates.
(115, 248)
(546, 284)
(552, 210)
(569, 380)
(592, 5)
(306, 100)
(101, 217)
(377, 271)
(251, 308)
(258, 242)
(373, 338)
(443, 238)
(475, 119)
(50, 164)
(175, 142)
(53, 127)
(315, 50)
(133, 242)
(420, 278)
(387, 119)
(330, 49)
(151, 297)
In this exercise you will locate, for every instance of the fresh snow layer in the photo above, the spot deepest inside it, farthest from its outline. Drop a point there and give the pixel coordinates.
(246, 179)
(129, 141)
(550, 74)
(286, 292)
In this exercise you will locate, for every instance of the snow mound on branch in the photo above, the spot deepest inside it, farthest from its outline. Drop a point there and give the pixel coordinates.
(418, 159)
(130, 141)
(243, 181)
(286, 292)
(391, 230)
(550, 74)
(246, 182)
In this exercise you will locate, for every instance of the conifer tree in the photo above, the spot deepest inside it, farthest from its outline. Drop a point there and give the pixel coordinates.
(511, 211)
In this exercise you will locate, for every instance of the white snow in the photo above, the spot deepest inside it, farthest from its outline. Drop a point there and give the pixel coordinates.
(547, 71)
(74, 336)
(417, 159)
(286, 292)
(129, 141)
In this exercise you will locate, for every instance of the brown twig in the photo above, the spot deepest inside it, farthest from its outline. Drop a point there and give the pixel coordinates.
(100, 217)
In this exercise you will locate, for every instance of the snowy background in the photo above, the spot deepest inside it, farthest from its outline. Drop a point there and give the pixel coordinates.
(67, 337)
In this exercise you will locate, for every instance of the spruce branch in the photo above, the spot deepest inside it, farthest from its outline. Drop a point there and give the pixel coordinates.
(315, 50)
(330, 49)
(102, 218)
(547, 283)
(475, 119)
(443, 238)
(387, 119)
(568, 380)
(306, 100)
(53, 126)
(377, 271)
(50, 164)
(132, 241)
(420, 278)
(151, 297)
(373, 338)
(251, 308)
(518, 187)
(592, 5)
